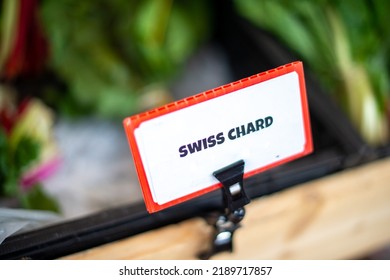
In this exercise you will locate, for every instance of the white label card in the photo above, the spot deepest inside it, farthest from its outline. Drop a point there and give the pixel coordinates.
(264, 124)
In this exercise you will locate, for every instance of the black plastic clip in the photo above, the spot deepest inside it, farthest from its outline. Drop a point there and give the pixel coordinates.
(235, 199)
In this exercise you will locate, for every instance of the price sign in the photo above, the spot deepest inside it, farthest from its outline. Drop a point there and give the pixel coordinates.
(262, 119)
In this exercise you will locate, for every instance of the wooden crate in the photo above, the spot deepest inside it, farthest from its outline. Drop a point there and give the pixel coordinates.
(342, 216)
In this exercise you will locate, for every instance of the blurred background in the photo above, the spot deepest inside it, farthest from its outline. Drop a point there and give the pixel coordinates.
(71, 70)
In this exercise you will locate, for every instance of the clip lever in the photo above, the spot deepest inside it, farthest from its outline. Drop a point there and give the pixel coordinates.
(231, 178)
(235, 199)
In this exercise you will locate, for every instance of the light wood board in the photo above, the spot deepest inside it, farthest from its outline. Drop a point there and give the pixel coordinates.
(342, 216)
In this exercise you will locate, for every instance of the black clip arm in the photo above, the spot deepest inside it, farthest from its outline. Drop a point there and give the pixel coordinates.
(231, 178)
(235, 199)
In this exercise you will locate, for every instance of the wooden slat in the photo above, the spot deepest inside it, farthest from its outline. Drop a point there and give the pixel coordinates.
(180, 241)
(342, 216)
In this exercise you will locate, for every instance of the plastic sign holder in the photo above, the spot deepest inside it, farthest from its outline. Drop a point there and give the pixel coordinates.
(235, 199)
(255, 123)
(231, 178)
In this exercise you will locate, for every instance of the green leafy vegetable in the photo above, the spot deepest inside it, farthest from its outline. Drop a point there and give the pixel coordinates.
(109, 53)
(14, 161)
(8, 18)
(27, 150)
(346, 43)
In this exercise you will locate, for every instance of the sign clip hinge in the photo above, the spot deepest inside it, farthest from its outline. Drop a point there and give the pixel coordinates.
(235, 199)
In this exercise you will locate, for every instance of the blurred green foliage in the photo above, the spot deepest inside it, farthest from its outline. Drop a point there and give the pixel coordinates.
(345, 43)
(111, 53)
(14, 161)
